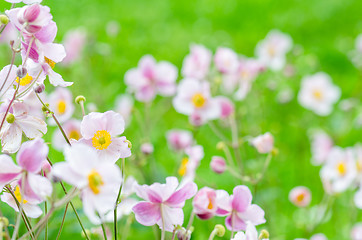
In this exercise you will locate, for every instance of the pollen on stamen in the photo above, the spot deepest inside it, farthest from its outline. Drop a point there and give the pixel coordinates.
(101, 140)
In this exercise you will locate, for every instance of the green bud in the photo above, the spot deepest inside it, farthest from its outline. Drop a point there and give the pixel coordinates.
(275, 151)
(4, 221)
(10, 118)
(45, 108)
(220, 230)
(220, 145)
(79, 99)
(264, 234)
(4, 19)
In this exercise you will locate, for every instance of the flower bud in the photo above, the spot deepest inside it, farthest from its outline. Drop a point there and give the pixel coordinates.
(218, 164)
(195, 119)
(80, 99)
(4, 221)
(226, 107)
(10, 118)
(147, 148)
(21, 72)
(4, 19)
(220, 230)
(40, 88)
(45, 108)
(264, 234)
(264, 143)
(220, 145)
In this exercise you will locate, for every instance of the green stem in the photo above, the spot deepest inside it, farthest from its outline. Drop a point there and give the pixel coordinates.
(63, 220)
(118, 197)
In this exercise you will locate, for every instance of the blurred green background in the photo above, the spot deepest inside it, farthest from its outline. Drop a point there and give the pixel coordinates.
(324, 32)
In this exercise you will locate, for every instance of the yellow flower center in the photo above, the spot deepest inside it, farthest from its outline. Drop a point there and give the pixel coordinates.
(74, 134)
(25, 80)
(210, 206)
(95, 181)
(61, 106)
(183, 168)
(244, 74)
(50, 62)
(318, 94)
(359, 165)
(101, 139)
(300, 197)
(198, 100)
(18, 195)
(341, 168)
(271, 50)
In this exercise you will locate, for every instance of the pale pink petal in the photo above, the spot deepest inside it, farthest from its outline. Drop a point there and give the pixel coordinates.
(11, 136)
(171, 217)
(147, 213)
(177, 199)
(32, 154)
(241, 198)
(234, 223)
(8, 170)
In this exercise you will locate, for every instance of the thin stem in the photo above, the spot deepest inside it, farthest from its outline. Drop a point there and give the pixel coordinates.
(218, 133)
(265, 168)
(81, 103)
(192, 216)
(17, 224)
(55, 119)
(232, 225)
(11, 66)
(63, 220)
(104, 231)
(28, 50)
(235, 141)
(212, 235)
(118, 197)
(71, 204)
(46, 224)
(126, 228)
(174, 234)
(7, 110)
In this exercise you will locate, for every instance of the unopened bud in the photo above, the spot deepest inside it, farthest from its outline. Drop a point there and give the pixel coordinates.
(10, 118)
(147, 148)
(21, 72)
(275, 151)
(4, 221)
(40, 88)
(220, 230)
(129, 144)
(79, 99)
(4, 19)
(45, 108)
(264, 234)
(220, 145)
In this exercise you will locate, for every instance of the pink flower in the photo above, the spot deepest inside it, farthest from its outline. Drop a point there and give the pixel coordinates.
(272, 50)
(151, 78)
(226, 106)
(197, 63)
(147, 148)
(163, 203)
(218, 164)
(356, 232)
(204, 203)
(30, 159)
(339, 170)
(71, 129)
(74, 42)
(264, 143)
(226, 60)
(24, 1)
(30, 17)
(321, 146)
(16, 122)
(300, 196)
(30, 208)
(250, 233)
(319, 236)
(9, 34)
(318, 93)
(98, 180)
(190, 163)
(61, 103)
(194, 98)
(238, 209)
(179, 140)
(101, 130)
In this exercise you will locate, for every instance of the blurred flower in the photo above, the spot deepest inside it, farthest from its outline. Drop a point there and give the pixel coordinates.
(218, 164)
(98, 180)
(74, 42)
(151, 78)
(263, 143)
(61, 102)
(226, 106)
(319, 236)
(321, 145)
(318, 93)
(30, 158)
(300, 196)
(124, 106)
(24, 1)
(204, 203)
(194, 98)
(16, 122)
(285, 95)
(190, 163)
(356, 55)
(197, 63)
(9, 34)
(272, 50)
(71, 129)
(250, 234)
(179, 140)
(356, 232)
(226, 60)
(101, 130)
(113, 28)
(339, 170)
(163, 203)
(238, 209)
(147, 148)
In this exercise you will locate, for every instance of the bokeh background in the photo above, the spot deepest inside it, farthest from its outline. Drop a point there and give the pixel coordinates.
(323, 32)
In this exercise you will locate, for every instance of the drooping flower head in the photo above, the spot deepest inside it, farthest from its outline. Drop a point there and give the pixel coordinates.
(197, 63)
(263, 143)
(204, 203)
